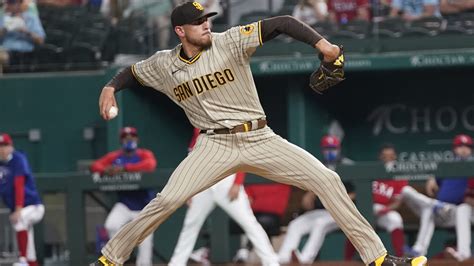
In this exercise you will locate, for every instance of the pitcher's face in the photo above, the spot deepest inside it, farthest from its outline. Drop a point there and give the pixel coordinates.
(197, 33)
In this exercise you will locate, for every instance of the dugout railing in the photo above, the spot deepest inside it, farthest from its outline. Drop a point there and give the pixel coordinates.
(76, 185)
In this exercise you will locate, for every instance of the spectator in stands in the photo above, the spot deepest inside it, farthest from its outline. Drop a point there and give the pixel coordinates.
(387, 199)
(410, 10)
(455, 6)
(381, 8)
(315, 221)
(19, 193)
(447, 208)
(343, 11)
(157, 14)
(129, 159)
(311, 11)
(269, 203)
(20, 31)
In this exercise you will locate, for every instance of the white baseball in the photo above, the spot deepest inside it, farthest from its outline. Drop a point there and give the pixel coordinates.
(113, 111)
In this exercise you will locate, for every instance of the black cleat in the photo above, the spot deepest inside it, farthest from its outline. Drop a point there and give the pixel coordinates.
(102, 261)
(388, 260)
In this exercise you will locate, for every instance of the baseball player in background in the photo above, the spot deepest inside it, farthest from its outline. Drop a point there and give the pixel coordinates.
(268, 202)
(387, 199)
(316, 221)
(129, 158)
(231, 197)
(446, 209)
(19, 193)
(208, 75)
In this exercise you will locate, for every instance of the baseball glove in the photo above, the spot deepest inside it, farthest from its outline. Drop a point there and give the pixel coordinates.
(328, 74)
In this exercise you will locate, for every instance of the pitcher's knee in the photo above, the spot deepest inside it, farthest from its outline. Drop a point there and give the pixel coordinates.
(166, 203)
(332, 177)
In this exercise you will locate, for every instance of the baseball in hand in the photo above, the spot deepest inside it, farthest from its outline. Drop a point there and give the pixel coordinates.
(113, 111)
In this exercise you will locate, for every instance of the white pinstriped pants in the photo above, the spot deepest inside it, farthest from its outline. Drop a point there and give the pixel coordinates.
(260, 152)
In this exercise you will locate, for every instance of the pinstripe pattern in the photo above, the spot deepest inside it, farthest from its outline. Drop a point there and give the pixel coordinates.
(260, 152)
(226, 105)
(217, 90)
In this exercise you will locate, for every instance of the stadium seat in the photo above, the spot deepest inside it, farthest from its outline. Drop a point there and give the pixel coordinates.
(429, 26)
(391, 27)
(325, 28)
(48, 57)
(58, 38)
(253, 17)
(355, 29)
(455, 25)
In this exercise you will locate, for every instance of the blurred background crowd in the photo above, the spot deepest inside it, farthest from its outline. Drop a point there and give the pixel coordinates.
(56, 35)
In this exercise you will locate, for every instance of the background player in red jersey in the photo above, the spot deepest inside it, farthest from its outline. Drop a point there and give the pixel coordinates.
(129, 159)
(19, 193)
(387, 199)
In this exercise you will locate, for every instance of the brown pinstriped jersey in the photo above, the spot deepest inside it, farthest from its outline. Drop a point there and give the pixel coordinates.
(215, 88)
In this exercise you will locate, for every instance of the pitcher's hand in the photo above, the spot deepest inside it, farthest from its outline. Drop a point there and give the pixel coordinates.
(107, 100)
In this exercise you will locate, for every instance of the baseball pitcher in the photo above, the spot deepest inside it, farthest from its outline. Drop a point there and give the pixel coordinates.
(208, 75)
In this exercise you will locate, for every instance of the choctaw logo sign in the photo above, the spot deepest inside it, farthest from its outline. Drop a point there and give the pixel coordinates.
(123, 181)
(400, 119)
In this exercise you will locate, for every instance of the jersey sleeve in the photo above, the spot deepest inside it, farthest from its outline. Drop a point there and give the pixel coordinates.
(105, 161)
(149, 71)
(19, 184)
(244, 39)
(22, 169)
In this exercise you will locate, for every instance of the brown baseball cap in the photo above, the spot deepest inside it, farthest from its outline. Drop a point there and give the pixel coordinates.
(188, 12)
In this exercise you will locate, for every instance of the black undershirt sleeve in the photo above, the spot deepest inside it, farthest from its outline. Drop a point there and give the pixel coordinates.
(272, 27)
(124, 79)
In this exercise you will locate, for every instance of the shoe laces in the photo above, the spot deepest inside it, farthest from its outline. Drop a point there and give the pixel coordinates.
(391, 258)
